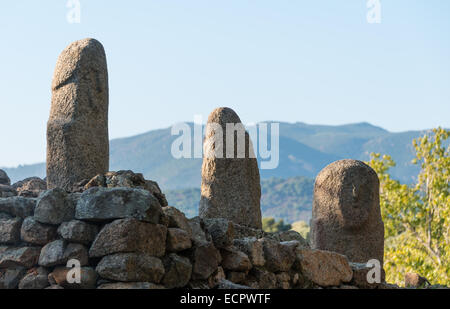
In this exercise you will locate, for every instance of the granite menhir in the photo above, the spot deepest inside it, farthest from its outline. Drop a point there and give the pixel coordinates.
(346, 214)
(77, 130)
(230, 184)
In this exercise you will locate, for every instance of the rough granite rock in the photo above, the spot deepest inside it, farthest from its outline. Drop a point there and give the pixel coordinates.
(126, 179)
(177, 219)
(360, 272)
(18, 206)
(221, 231)
(278, 256)
(199, 236)
(130, 235)
(10, 230)
(60, 252)
(262, 279)
(35, 279)
(77, 129)
(78, 252)
(4, 179)
(236, 276)
(54, 207)
(215, 278)
(37, 233)
(7, 191)
(106, 204)
(131, 267)
(230, 186)
(325, 268)
(10, 277)
(206, 259)
(235, 260)
(346, 212)
(19, 256)
(253, 248)
(178, 240)
(5, 216)
(178, 271)
(289, 236)
(78, 232)
(30, 187)
(414, 280)
(241, 231)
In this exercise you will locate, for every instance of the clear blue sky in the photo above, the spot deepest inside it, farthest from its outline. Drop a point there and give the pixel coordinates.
(315, 61)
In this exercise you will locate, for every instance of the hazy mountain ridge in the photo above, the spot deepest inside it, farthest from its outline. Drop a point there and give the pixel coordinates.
(304, 150)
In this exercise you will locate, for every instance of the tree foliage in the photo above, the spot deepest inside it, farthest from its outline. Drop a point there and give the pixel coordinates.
(270, 225)
(417, 217)
(302, 228)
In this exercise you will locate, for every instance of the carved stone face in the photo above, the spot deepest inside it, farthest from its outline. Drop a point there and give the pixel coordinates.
(346, 211)
(345, 193)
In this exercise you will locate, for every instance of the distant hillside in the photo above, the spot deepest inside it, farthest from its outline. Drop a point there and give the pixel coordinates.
(304, 151)
(185, 200)
(288, 199)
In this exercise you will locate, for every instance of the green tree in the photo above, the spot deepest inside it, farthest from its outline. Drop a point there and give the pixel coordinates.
(272, 226)
(417, 217)
(302, 228)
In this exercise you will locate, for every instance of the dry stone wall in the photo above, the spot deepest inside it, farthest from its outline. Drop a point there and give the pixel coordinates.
(121, 231)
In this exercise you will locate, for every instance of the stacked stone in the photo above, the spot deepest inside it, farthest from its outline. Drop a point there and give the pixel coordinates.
(124, 237)
(34, 249)
(263, 261)
(5, 185)
(30, 187)
(114, 233)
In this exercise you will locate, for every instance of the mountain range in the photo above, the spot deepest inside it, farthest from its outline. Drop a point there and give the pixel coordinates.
(304, 150)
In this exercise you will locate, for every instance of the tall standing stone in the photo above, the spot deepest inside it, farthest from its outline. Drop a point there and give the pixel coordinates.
(346, 214)
(230, 186)
(77, 130)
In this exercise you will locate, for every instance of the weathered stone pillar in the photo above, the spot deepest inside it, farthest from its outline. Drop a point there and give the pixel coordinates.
(346, 214)
(77, 130)
(230, 185)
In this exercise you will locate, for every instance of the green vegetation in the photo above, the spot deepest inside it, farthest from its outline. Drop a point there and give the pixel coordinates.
(417, 216)
(287, 199)
(270, 225)
(302, 228)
